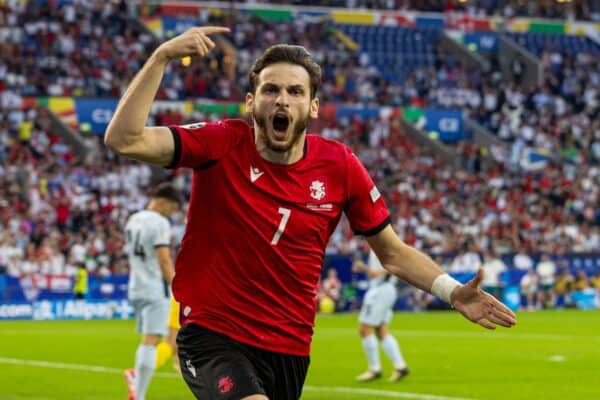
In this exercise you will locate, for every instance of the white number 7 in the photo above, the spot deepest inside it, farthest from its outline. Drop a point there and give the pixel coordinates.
(285, 212)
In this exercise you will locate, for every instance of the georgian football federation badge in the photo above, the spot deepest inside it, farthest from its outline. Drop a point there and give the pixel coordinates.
(317, 190)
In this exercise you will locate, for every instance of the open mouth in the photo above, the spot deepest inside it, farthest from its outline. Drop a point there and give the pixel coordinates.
(280, 125)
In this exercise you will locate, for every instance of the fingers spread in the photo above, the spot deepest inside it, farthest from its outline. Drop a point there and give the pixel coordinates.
(499, 319)
(486, 324)
(202, 50)
(505, 310)
(509, 318)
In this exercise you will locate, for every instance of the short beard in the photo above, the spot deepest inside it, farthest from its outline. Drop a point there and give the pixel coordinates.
(298, 129)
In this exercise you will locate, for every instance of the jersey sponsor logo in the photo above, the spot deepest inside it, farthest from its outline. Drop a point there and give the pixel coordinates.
(317, 190)
(374, 193)
(255, 173)
(195, 125)
(225, 384)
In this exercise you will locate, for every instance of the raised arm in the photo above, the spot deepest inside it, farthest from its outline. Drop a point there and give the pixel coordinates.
(127, 134)
(416, 268)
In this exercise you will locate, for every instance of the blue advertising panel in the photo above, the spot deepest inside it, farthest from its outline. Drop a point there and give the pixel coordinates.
(483, 42)
(511, 296)
(175, 26)
(429, 22)
(445, 125)
(361, 112)
(95, 114)
(67, 309)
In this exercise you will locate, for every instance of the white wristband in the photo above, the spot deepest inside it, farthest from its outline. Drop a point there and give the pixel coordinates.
(443, 286)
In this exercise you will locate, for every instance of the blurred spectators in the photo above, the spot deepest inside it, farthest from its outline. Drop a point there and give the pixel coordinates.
(546, 270)
(522, 260)
(529, 289)
(492, 268)
(331, 287)
(438, 209)
(563, 287)
(81, 48)
(569, 10)
(58, 210)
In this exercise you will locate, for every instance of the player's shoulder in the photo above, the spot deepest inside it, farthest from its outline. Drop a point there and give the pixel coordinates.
(147, 218)
(156, 218)
(236, 125)
(232, 126)
(134, 216)
(324, 148)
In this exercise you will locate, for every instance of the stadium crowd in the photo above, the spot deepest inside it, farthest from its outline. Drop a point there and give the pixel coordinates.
(566, 10)
(79, 48)
(59, 209)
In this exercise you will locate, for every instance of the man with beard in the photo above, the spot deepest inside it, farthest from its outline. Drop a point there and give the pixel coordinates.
(265, 200)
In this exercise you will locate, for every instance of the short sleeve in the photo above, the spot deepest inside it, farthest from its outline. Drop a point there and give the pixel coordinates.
(365, 208)
(201, 143)
(162, 236)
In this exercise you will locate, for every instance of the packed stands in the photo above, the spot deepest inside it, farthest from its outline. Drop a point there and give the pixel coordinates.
(568, 10)
(76, 49)
(59, 209)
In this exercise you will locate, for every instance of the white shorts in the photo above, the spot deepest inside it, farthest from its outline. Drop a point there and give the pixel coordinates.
(378, 305)
(152, 316)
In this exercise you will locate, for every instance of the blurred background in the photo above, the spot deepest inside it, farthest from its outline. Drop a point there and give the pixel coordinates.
(478, 121)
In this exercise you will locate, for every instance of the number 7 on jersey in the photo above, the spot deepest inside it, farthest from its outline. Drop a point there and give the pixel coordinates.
(285, 216)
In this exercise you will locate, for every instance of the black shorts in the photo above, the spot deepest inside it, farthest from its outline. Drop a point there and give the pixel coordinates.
(215, 366)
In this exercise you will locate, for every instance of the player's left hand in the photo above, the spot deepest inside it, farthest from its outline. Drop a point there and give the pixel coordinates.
(480, 307)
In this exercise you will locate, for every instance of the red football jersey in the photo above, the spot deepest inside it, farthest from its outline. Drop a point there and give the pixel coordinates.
(256, 233)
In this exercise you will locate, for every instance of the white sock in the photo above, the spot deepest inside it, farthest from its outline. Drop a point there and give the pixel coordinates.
(391, 348)
(145, 360)
(372, 352)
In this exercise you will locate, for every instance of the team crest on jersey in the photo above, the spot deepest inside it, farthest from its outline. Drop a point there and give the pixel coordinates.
(317, 190)
(195, 125)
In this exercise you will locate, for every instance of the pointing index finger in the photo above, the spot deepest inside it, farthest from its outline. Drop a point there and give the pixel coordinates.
(209, 30)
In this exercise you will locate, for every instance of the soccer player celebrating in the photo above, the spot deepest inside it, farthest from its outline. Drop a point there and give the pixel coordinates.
(265, 200)
(148, 240)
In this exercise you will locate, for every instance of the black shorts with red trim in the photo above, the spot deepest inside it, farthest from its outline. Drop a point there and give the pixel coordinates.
(217, 367)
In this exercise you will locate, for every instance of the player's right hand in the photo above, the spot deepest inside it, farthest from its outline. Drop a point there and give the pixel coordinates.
(193, 42)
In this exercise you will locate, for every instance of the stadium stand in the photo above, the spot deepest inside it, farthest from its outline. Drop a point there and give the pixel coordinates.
(58, 208)
(568, 10)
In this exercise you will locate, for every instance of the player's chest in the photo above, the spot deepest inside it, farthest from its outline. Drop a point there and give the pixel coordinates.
(315, 188)
(297, 206)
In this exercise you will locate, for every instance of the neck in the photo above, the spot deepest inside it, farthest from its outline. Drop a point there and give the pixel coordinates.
(154, 206)
(294, 154)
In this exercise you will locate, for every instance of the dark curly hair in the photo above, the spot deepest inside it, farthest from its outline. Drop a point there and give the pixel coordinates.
(291, 54)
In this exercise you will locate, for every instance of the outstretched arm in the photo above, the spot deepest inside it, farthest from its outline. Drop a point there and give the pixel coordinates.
(419, 270)
(126, 134)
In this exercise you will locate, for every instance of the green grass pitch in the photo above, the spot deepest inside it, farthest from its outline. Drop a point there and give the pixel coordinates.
(550, 355)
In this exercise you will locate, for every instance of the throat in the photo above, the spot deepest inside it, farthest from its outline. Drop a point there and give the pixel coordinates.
(294, 154)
